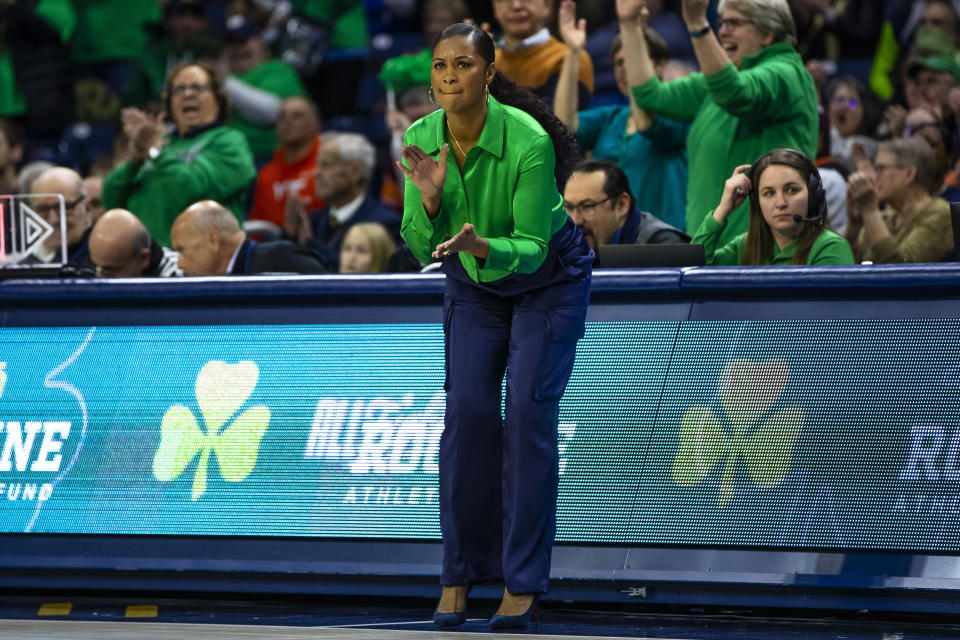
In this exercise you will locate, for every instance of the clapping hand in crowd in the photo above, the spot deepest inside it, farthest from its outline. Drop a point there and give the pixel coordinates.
(861, 185)
(573, 31)
(895, 117)
(694, 12)
(296, 221)
(143, 131)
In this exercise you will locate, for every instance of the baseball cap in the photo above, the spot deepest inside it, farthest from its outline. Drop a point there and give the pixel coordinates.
(945, 64)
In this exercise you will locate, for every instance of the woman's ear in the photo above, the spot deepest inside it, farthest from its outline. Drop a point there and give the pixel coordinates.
(491, 72)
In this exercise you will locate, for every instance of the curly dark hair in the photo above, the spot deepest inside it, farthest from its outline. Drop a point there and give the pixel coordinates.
(565, 145)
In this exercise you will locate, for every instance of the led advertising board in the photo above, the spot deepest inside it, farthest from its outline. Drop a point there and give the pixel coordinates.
(770, 434)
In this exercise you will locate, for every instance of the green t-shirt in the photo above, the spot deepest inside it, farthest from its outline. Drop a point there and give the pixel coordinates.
(113, 29)
(216, 165)
(828, 248)
(507, 191)
(276, 77)
(61, 16)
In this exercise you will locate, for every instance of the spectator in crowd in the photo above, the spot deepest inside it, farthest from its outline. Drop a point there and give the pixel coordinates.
(934, 77)
(256, 85)
(914, 226)
(69, 184)
(834, 182)
(29, 173)
(121, 247)
(831, 29)
(649, 149)
(202, 159)
(597, 198)
(36, 84)
(11, 153)
(436, 15)
(753, 94)
(290, 173)
(854, 114)
(367, 247)
(345, 165)
(185, 36)
(788, 216)
(530, 56)
(328, 45)
(912, 30)
(93, 185)
(109, 38)
(923, 123)
(210, 242)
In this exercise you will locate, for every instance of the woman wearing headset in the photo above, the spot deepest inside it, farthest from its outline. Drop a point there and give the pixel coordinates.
(788, 221)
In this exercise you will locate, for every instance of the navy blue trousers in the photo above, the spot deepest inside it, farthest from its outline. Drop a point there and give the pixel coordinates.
(499, 472)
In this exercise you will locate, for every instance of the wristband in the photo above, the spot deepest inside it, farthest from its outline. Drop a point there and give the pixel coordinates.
(699, 33)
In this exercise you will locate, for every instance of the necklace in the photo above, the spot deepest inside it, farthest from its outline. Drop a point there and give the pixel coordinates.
(457, 142)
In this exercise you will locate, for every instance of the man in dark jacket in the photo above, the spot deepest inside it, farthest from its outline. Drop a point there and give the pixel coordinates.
(345, 165)
(598, 199)
(210, 242)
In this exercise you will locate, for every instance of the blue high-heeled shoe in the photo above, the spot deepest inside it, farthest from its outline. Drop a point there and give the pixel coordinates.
(520, 620)
(451, 618)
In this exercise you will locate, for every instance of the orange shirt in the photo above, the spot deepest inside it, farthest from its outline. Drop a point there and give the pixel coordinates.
(534, 66)
(277, 180)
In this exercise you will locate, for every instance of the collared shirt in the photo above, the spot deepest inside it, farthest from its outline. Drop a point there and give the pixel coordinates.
(507, 190)
(530, 41)
(344, 213)
(233, 258)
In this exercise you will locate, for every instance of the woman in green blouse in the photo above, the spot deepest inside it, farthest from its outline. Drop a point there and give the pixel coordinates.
(517, 286)
(788, 216)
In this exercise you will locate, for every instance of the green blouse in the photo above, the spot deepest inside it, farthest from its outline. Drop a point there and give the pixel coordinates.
(506, 190)
(828, 248)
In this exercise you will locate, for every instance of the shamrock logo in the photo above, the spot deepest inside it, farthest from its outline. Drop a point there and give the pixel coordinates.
(746, 390)
(221, 389)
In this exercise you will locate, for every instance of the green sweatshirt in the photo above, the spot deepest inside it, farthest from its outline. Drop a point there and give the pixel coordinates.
(737, 116)
(215, 164)
(828, 248)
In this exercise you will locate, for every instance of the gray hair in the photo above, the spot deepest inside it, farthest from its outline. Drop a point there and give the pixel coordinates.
(771, 15)
(354, 147)
(214, 215)
(914, 152)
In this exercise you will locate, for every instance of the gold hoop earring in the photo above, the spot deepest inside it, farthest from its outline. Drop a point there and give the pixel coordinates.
(430, 96)
(486, 92)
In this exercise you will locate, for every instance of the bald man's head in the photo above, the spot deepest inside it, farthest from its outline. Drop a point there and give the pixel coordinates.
(120, 245)
(69, 184)
(206, 235)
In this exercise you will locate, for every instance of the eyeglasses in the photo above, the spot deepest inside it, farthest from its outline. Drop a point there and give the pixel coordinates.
(733, 23)
(182, 89)
(49, 210)
(585, 207)
(851, 103)
(909, 130)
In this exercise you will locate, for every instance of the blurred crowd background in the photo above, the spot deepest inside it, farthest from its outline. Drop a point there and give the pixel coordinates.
(252, 136)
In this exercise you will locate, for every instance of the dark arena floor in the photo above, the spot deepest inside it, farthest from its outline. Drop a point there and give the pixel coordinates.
(108, 618)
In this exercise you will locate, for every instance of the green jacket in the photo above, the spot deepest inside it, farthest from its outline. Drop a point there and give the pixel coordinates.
(507, 191)
(215, 164)
(828, 248)
(737, 116)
